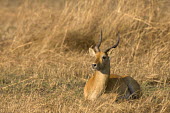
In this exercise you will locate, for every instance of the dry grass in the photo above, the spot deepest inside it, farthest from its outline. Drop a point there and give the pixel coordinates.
(44, 62)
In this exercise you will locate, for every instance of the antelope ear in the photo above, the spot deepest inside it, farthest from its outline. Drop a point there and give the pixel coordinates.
(91, 52)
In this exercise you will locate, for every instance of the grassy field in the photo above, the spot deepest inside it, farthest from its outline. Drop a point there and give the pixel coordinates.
(44, 59)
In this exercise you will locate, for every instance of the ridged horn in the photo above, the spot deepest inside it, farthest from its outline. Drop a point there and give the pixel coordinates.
(97, 47)
(114, 46)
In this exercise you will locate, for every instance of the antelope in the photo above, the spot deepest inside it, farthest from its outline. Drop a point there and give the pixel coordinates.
(103, 82)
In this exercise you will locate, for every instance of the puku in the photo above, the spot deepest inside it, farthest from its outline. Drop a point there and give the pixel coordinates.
(103, 82)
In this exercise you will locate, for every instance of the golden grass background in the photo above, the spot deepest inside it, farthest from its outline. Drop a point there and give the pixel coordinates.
(44, 60)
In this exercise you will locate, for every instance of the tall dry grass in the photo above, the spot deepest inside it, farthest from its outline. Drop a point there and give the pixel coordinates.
(44, 62)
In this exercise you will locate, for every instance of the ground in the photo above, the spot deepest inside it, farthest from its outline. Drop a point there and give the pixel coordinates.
(44, 59)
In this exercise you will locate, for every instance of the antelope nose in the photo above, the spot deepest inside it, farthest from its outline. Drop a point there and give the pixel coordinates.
(94, 66)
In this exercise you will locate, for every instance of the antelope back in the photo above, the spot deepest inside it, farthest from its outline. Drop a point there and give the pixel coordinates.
(117, 85)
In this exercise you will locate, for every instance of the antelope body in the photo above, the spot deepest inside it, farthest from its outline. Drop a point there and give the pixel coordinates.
(104, 82)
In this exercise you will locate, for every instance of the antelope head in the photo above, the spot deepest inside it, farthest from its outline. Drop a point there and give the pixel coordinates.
(102, 61)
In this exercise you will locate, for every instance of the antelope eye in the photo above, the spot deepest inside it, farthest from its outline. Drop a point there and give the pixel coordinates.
(104, 57)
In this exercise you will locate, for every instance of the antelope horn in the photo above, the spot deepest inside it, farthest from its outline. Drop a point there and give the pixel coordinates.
(115, 44)
(97, 47)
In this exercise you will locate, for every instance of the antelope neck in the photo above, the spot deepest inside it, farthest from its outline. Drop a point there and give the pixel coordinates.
(102, 76)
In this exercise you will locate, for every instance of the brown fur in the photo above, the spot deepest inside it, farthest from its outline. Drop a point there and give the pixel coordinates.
(102, 82)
